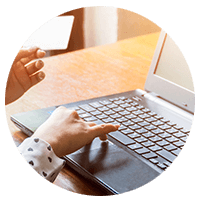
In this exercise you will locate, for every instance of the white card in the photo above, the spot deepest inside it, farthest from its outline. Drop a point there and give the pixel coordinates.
(53, 35)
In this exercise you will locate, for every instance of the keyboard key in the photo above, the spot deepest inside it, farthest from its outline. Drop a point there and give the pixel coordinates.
(96, 112)
(128, 100)
(157, 131)
(102, 116)
(90, 119)
(140, 139)
(142, 130)
(108, 120)
(144, 116)
(164, 135)
(134, 104)
(178, 127)
(119, 109)
(138, 112)
(122, 98)
(184, 139)
(144, 123)
(163, 143)
(117, 115)
(140, 107)
(127, 131)
(125, 105)
(128, 123)
(171, 123)
(134, 135)
(109, 112)
(119, 102)
(170, 147)
(132, 108)
(172, 139)
(172, 131)
(148, 144)
(154, 161)
(166, 155)
(151, 127)
(84, 115)
(164, 120)
(158, 117)
(131, 116)
(87, 108)
(164, 127)
(98, 122)
(148, 135)
(135, 146)
(142, 150)
(105, 102)
(122, 119)
(179, 144)
(80, 111)
(125, 112)
(122, 127)
(151, 119)
(114, 99)
(103, 109)
(137, 120)
(162, 166)
(157, 123)
(152, 113)
(134, 127)
(150, 155)
(155, 139)
(184, 131)
(121, 138)
(146, 110)
(179, 134)
(176, 152)
(155, 148)
(112, 105)
(95, 104)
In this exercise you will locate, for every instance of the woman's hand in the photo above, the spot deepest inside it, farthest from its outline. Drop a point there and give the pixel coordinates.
(66, 132)
(23, 74)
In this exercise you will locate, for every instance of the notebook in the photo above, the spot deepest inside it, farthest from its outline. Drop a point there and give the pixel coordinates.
(155, 124)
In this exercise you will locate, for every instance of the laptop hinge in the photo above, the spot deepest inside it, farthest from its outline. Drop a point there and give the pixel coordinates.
(159, 100)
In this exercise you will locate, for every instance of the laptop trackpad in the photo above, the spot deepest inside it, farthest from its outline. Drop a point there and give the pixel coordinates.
(113, 166)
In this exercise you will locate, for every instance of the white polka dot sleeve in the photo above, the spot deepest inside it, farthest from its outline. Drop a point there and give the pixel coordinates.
(41, 157)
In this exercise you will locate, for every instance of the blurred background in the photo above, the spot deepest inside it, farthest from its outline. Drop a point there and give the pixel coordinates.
(94, 26)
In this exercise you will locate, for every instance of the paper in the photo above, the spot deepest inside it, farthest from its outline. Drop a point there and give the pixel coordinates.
(53, 35)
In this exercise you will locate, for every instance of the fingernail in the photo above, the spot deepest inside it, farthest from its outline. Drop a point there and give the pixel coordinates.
(102, 125)
(40, 53)
(117, 126)
(39, 64)
(41, 75)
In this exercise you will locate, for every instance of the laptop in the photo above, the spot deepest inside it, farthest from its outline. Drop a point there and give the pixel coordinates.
(155, 124)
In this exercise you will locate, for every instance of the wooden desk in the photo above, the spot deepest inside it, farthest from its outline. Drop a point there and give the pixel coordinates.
(85, 74)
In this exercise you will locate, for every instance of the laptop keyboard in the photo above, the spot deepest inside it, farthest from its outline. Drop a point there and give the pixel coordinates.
(143, 131)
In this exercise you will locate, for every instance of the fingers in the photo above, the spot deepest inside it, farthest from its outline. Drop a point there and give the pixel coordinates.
(38, 54)
(34, 67)
(102, 130)
(26, 55)
(36, 78)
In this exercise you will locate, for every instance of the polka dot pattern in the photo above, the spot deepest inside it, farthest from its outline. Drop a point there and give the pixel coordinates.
(39, 154)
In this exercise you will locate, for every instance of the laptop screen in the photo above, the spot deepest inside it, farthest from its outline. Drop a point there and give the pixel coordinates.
(173, 66)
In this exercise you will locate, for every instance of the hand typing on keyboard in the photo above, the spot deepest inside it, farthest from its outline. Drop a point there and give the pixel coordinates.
(66, 132)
